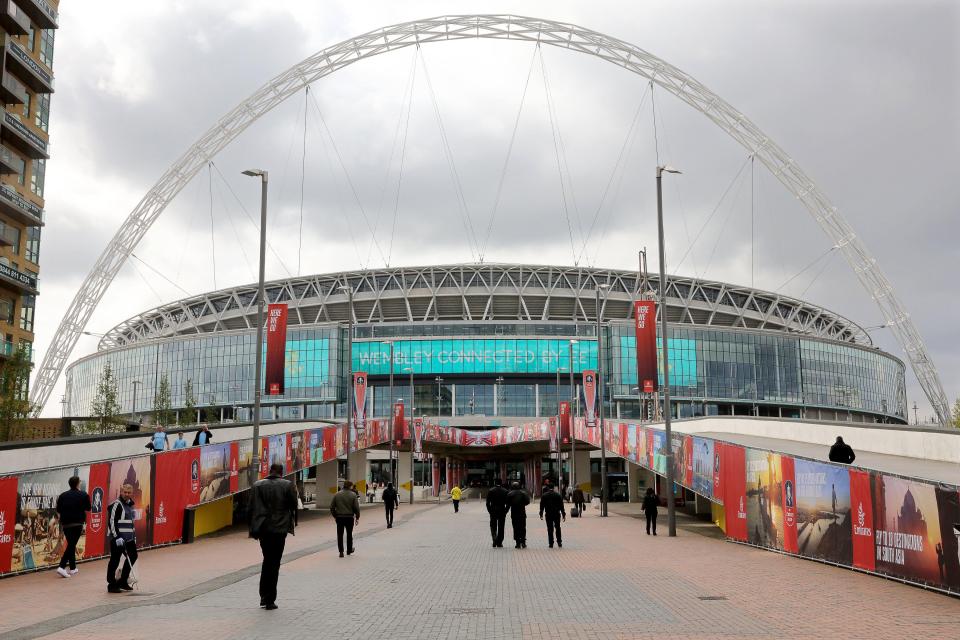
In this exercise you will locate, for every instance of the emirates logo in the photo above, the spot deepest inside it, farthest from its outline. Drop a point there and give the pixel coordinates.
(161, 515)
(860, 514)
(860, 529)
(3, 521)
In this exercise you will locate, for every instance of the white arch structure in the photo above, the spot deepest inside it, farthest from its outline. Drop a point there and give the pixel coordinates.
(495, 27)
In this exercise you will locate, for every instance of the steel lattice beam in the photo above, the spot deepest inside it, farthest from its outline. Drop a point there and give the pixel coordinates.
(496, 27)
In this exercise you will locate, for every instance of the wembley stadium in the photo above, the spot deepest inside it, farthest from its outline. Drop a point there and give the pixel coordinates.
(486, 344)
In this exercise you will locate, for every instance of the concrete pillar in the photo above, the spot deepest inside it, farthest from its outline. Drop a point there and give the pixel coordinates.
(704, 508)
(635, 474)
(405, 474)
(448, 476)
(435, 474)
(582, 465)
(358, 469)
(326, 483)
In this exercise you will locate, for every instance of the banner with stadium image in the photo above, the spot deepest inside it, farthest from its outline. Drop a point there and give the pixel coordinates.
(215, 469)
(703, 466)
(764, 491)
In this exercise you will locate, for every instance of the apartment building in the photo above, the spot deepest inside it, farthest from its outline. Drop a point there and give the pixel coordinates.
(28, 29)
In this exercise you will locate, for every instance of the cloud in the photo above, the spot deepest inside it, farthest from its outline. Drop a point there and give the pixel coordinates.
(863, 95)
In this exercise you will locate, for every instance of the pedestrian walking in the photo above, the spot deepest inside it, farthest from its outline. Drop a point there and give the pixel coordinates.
(842, 452)
(273, 514)
(650, 504)
(158, 442)
(202, 436)
(517, 500)
(579, 501)
(345, 508)
(551, 503)
(455, 495)
(497, 508)
(391, 501)
(72, 507)
(122, 538)
(179, 443)
(371, 493)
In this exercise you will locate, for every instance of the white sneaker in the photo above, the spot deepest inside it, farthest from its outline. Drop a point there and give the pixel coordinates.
(63, 572)
(74, 572)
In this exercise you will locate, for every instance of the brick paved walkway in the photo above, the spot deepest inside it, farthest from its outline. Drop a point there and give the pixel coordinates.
(435, 576)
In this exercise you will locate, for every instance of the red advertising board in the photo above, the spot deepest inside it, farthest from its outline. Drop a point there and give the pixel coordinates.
(234, 467)
(789, 501)
(861, 516)
(688, 461)
(396, 433)
(289, 465)
(98, 488)
(565, 422)
(735, 493)
(329, 443)
(359, 397)
(650, 447)
(177, 486)
(590, 397)
(8, 519)
(645, 324)
(264, 457)
(276, 348)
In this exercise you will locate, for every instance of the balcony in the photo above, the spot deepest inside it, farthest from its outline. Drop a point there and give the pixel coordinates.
(7, 348)
(19, 208)
(8, 238)
(40, 12)
(13, 18)
(19, 136)
(17, 279)
(12, 90)
(10, 162)
(34, 75)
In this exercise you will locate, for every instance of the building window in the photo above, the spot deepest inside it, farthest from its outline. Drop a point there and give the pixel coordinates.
(32, 250)
(42, 115)
(31, 38)
(7, 308)
(26, 312)
(46, 47)
(38, 170)
(26, 105)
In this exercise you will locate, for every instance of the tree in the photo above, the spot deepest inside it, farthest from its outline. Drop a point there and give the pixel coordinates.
(106, 407)
(956, 414)
(189, 402)
(15, 406)
(162, 412)
(211, 414)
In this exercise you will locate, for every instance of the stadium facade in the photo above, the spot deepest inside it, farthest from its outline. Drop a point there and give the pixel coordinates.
(485, 344)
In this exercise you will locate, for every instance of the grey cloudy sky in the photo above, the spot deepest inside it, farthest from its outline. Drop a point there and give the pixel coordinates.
(864, 95)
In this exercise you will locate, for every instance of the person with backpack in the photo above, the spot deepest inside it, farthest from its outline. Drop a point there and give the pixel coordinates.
(455, 495)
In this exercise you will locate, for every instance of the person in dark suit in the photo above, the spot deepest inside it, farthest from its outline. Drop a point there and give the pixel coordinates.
(650, 504)
(518, 500)
(390, 502)
(273, 514)
(551, 502)
(578, 501)
(497, 508)
(842, 452)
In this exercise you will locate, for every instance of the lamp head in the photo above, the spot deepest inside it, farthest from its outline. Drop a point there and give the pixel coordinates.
(254, 173)
(666, 169)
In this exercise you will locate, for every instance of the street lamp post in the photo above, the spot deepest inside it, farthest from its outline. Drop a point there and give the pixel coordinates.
(390, 409)
(350, 399)
(133, 412)
(603, 431)
(410, 369)
(258, 358)
(667, 413)
(559, 454)
(439, 382)
(573, 439)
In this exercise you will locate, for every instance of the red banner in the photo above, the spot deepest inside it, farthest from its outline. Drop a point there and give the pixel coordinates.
(234, 467)
(861, 515)
(565, 422)
(177, 486)
(650, 448)
(788, 499)
(98, 489)
(8, 519)
(735, 494)
(590, 397)
(645, 323)
(359, 398)
(289, 466)
(396, 433)
(276, 348)
(554, 433)
(330, 442)
(264, 457)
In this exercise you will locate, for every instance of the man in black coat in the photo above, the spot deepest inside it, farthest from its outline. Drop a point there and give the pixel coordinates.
(497, 508)
(842, 452)
(273, 514)
(72, 507)
(202, 436)
(390, 502)
(551, 502)
(517, 500)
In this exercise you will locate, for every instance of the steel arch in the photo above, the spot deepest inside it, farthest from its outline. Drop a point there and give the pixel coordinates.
(498, 27)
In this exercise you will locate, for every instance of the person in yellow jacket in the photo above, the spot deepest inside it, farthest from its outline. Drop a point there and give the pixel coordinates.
(455, 495)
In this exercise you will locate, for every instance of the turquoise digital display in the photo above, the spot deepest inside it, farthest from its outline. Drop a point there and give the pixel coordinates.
(493, 355)
(683, 361)
(306, 363)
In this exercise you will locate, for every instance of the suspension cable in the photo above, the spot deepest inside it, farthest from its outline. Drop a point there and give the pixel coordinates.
(723, 227)
(802, 271)
(346, 174)
(826, 263)
(303, 172)
(157, 271)
(236, 234)
(411, 83)
(213, 243)
(451, 164)
(506, 160)
(145, 281)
